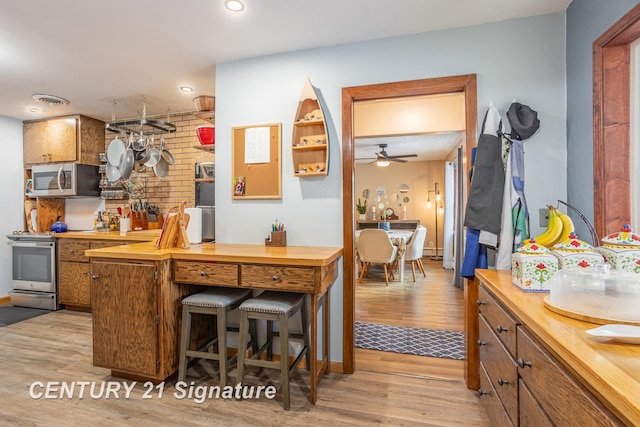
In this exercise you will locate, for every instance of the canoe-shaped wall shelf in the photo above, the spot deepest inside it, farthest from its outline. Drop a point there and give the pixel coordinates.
(310, 137)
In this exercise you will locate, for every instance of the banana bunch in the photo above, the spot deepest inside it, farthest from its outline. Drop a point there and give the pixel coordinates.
(559, 228)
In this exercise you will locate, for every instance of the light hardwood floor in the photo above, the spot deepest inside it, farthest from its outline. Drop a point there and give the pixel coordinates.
(56, 347)
(431, 302)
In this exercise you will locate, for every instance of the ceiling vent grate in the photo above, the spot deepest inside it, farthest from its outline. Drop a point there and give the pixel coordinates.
(49, 99)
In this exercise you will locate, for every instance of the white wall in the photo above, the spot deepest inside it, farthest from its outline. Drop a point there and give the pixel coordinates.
(519, 59)
(11, 193)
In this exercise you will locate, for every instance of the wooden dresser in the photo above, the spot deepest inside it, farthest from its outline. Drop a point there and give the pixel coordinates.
(533, 367)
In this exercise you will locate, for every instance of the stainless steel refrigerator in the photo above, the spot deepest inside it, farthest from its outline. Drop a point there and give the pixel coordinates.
(205, 198)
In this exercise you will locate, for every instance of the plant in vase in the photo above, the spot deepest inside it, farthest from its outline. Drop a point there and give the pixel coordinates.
(362, 208)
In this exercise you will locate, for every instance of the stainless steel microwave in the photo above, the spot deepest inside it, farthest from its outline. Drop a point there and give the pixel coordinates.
(65, 180)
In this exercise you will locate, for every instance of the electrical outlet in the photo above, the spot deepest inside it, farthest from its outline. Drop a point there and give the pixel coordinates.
(430, 244)
(544, 217)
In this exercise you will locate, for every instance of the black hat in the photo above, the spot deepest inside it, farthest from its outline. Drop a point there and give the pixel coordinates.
(524, 121)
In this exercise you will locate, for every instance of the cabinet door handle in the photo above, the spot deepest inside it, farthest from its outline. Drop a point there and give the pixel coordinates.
(479, 303)
(481, 343)
(85, 272)
(503, 382)
(481, 392)
(275, 278)
(72, 251)
(203, 273)
(501, 329)
(95, 276)
(522, 363)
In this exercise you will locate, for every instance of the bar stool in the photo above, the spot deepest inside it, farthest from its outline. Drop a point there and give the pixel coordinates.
(216, 302)
(275, 307)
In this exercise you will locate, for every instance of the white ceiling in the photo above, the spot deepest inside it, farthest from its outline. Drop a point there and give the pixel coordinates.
(95, 52)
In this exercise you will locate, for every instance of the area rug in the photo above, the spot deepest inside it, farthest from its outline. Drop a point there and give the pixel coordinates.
(10, 314)
(400, 339)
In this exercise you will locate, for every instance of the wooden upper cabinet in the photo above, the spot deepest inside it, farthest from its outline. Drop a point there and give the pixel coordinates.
(72, 139)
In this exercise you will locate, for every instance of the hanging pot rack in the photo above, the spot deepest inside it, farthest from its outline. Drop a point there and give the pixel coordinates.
(143, 126)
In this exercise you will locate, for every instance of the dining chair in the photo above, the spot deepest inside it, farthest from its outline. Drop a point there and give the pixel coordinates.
(374, 246)
(414, 250)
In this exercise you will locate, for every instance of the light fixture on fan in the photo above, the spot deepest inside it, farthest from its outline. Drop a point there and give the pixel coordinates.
(382, 158)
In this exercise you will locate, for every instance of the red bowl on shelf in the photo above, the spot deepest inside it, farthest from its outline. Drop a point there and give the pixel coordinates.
(206, 135)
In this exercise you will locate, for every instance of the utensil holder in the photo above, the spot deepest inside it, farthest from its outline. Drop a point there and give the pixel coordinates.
(278, 238)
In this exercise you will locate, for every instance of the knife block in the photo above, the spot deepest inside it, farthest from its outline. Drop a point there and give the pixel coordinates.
(278, 238)
(139, 220)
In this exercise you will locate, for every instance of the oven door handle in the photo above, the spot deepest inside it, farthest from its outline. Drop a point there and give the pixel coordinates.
(30, 244)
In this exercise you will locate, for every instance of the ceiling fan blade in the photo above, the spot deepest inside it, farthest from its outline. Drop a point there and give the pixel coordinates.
(405, 155)
(397, 160)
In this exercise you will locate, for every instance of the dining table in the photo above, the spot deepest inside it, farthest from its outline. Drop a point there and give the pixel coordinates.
(399, 239)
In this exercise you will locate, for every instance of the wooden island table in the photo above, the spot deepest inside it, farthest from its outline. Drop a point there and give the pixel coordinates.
(137, 292)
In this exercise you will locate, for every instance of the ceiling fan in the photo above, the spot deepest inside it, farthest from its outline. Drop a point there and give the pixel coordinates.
(383, 158)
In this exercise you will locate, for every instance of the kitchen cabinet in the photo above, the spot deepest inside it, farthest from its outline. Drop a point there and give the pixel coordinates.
(74, 271)
(68, 139)
(522, 382)
(136, 318)
(127, 294)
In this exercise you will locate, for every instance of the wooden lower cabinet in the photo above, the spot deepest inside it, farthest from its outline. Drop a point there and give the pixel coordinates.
(75, 283)
(521, 383)
(136, 318)
(74, 270)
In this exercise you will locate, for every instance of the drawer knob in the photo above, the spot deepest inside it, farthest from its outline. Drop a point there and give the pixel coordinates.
(479, 303)
(72, 251)
(481, 392)
(522, 363)
(501, 329)
(95, 276)
(481, 343)
(85, 272)
(275, 278)
(203, 273)
(503, 382)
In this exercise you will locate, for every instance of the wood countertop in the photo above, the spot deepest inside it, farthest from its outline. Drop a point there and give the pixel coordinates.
(134, 236)
(285, 255)
(608, 368)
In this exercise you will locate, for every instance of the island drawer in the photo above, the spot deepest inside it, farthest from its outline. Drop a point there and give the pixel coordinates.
(205, 273)
(277, 277)
(73, 250)
(499, 320)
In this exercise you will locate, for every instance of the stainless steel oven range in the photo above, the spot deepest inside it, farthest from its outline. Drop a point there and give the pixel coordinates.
(33, 270)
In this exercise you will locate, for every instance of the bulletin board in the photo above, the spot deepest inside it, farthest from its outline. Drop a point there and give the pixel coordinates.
(256, 162)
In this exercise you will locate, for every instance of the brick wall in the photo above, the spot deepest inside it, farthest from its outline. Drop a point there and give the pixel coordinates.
(179, 184)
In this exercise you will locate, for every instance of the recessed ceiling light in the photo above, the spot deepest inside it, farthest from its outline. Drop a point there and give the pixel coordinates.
(49, 99)
(234, 5)
(186, 89)
(34, 110)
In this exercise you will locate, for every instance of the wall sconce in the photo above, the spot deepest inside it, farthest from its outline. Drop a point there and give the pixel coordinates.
(404, 188)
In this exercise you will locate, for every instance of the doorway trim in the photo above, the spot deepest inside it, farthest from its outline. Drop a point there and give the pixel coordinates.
(467, 84)
(612, 123)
